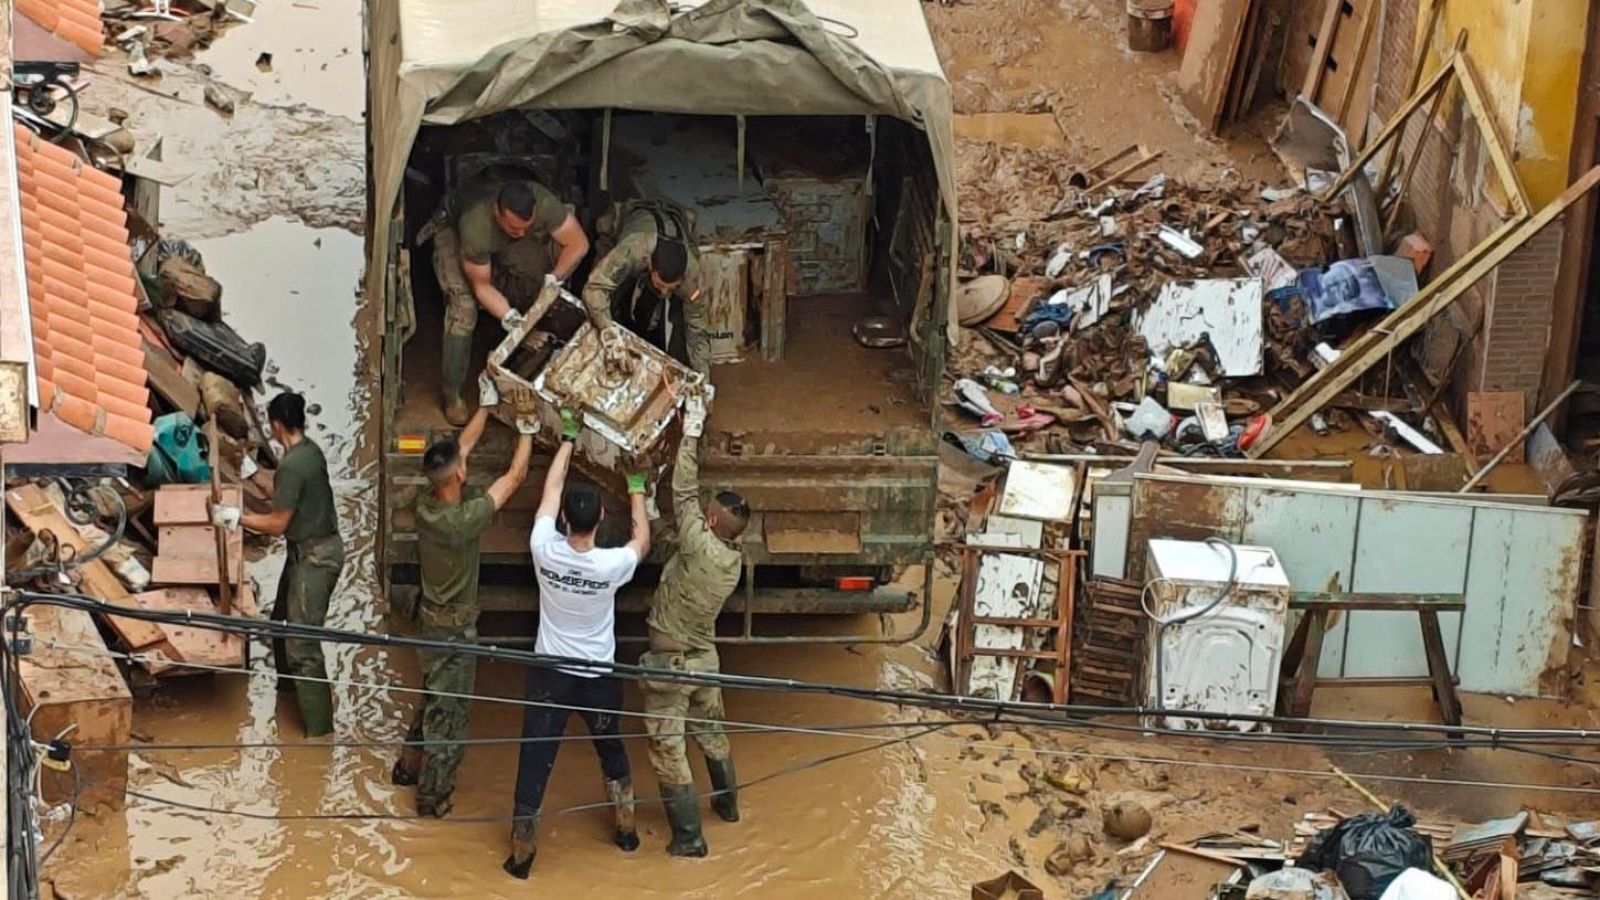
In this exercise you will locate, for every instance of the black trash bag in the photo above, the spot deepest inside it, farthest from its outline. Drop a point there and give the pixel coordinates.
(1368, 851)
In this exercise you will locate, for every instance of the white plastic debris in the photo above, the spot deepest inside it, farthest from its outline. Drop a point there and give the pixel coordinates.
(1150, 421)
(1180, 241)
(1058, 261)
(1415, 884)
(1273, 270)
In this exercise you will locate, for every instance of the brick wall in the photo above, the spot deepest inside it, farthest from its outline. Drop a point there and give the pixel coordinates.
(1517, 329)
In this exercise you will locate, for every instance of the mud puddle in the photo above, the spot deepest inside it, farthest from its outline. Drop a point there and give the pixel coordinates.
(1034, 130)
(296, 54)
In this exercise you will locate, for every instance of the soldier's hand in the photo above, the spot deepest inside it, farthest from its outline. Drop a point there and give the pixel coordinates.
(529, 425)
(488, 394)
(571, 425)
(225, 516)
(511, 321)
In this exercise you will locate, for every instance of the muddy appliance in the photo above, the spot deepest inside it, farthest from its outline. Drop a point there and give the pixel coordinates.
(630, 415)
(1217, 613)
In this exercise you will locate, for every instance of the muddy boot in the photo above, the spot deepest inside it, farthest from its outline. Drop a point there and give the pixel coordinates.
(316, 707)
(620, 793)
(683, 815)
(434, 807)
(524, 842)
(409, 765)
(457, 354)
(724, 788)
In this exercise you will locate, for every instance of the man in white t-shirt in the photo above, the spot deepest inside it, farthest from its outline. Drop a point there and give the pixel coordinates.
(577, 618)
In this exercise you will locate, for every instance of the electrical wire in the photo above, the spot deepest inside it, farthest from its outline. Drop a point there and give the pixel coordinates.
(1037, 712)
(1331, 741)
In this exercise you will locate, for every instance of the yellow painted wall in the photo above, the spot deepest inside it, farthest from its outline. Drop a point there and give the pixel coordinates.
(1529, 55)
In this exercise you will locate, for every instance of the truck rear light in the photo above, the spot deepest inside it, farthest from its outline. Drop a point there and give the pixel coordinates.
(855, 583)
(410, 443)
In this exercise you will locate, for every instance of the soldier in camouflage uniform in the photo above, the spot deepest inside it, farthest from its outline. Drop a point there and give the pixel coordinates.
(451, 517)
(653, 259)
(491, 248)
(697, 580)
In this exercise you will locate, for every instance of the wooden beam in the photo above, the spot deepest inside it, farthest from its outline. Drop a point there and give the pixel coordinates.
(1396, 124)
(1401, 324)
(1472, 92)
(1363, 41)
(1319, 57)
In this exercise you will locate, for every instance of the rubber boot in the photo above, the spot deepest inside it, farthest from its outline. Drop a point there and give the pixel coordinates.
(436, 808)
(409, 765)
(524, 842)
(456, 356)
(620, 792)
(724, 788)
(316, 707)
(683, 815)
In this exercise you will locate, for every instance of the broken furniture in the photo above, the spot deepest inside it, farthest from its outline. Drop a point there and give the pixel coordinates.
(999, 588)
(1304, 655)
(1217, 612)
(186, 541)
(629, 413)
(1108, 644)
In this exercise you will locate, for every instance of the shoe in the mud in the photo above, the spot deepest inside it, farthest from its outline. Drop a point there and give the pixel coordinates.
(683, 817)
(725, 789)
(524, 844)
(438, 809)
(620, 793)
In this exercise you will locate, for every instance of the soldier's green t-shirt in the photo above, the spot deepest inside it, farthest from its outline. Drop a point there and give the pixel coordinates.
(447, 551)
(302, 485)
(481, 236)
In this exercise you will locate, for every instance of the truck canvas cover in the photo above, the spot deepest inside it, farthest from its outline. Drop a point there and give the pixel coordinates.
(441, 62)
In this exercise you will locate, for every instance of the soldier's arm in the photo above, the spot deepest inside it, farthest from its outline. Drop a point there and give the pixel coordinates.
(506, 485)
(489, 296)
(473, 433)
(574, 247)
(696, 316)
(608, 273)
(686, 483)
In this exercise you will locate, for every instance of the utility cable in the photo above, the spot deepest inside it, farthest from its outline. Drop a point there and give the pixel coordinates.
(1040, 712)
(1334, 741)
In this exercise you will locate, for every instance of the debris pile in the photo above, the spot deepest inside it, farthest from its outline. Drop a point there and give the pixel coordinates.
(1167, 310)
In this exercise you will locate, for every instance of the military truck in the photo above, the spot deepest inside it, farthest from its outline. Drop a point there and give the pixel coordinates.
(811, 143)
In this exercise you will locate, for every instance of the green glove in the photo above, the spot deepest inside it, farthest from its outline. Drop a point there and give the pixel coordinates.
(570, 425)
(636, 483)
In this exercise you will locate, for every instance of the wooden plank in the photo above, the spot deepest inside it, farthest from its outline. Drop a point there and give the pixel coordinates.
(182, 504)
(1494, 139)
(221, 536)
(774, 299)
(1319, 57)
(166, 379)
(1210, 58)
(35, 511)
(187, 644)
(1494, 419)
(187, 554)
(1401, 324)
(1357, 73)
(1396, 125)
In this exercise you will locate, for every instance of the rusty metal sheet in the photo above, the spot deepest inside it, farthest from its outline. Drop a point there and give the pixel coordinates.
(1495, 419)
(1189, 511)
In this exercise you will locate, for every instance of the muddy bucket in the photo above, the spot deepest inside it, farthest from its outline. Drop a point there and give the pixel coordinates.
(1149, 25)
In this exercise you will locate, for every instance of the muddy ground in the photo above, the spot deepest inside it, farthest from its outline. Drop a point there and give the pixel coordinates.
(273, 199)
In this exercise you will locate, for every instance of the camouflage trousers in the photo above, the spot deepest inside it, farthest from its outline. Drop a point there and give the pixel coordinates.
(441, 721)
(517, 272)
(669, 708)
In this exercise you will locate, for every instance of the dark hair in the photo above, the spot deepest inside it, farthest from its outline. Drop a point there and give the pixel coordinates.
(440, 458)
(289, 410)
(580, 506)
(669, 259)
(516, 197)
(736, 507)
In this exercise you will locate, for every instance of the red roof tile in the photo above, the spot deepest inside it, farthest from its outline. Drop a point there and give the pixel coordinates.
(76, 21)
(81, 283)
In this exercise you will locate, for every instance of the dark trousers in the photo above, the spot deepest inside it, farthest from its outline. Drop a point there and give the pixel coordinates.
(537, 757)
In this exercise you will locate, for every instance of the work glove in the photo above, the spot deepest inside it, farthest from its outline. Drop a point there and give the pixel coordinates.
(488, 394)
(637, 483)
(571, 426)
(550, 280)
(511, 321)
(528, 425)
(694, 416)
(225, 516)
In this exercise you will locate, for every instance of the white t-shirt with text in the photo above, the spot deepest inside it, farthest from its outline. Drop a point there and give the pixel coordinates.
(577, 596)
